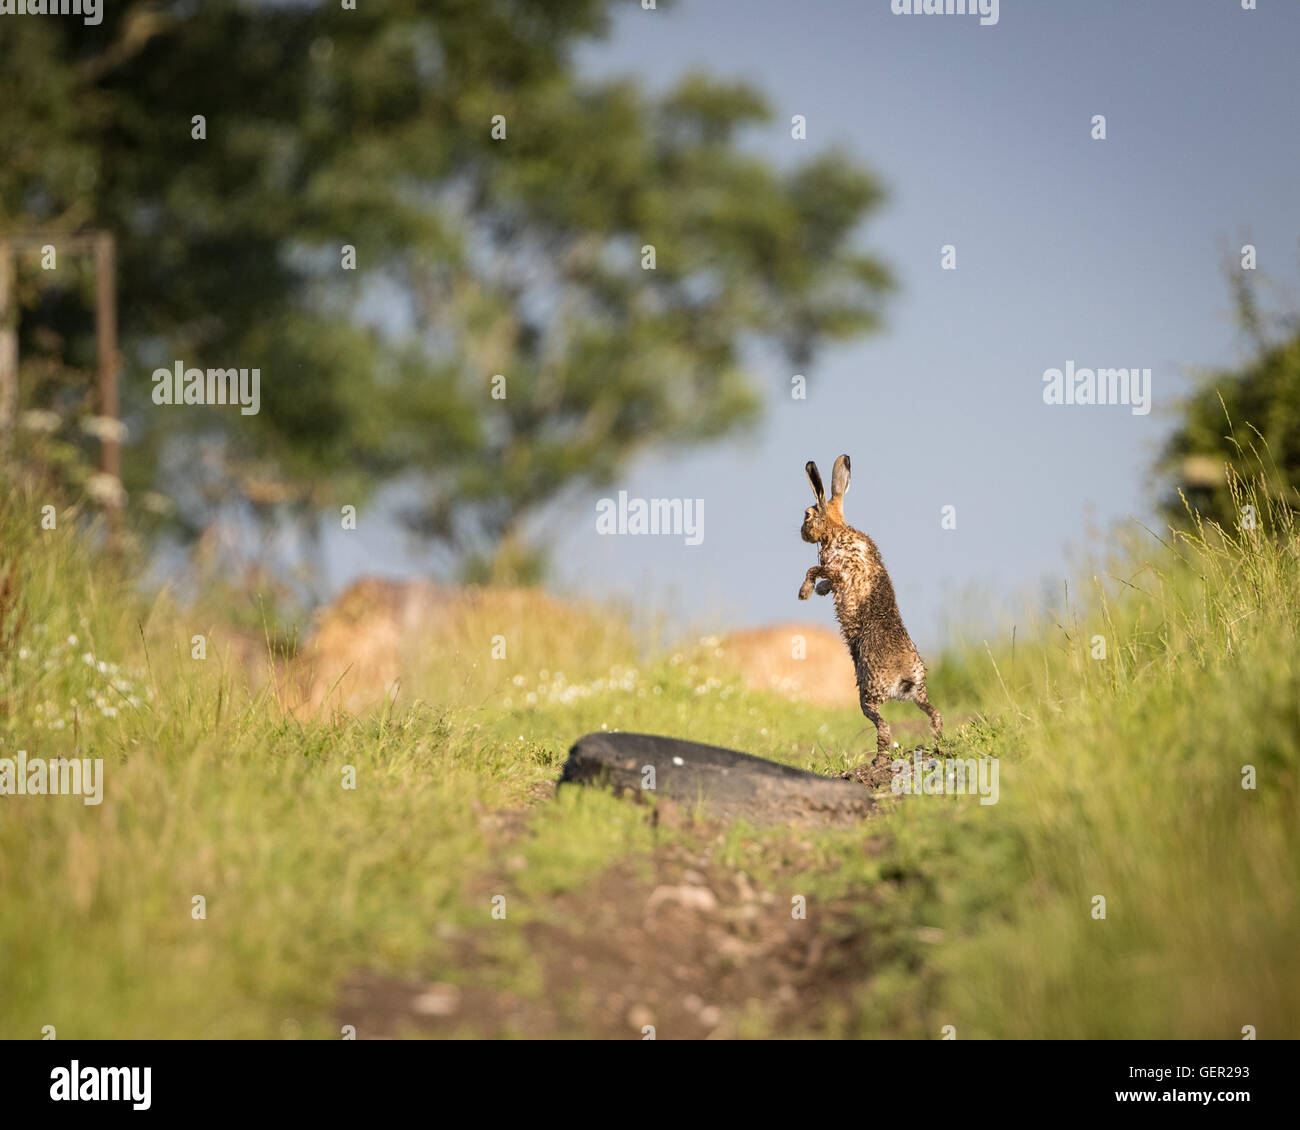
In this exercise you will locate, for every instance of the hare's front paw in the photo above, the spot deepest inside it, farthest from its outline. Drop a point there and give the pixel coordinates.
(805, 590)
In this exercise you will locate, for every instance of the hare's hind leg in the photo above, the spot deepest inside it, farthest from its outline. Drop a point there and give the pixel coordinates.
(872, 711)
(936, 719)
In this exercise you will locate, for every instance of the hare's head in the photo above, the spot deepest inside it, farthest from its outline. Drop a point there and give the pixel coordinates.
(822, 521)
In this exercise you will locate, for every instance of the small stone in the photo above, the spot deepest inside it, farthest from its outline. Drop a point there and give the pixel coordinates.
(692, 898)
(439, 999)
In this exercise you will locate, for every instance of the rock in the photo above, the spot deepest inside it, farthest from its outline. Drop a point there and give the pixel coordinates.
(437, 1000)
(725, 783)
(692, 898)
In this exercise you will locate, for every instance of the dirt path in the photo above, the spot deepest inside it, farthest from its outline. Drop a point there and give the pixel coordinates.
(683, 943)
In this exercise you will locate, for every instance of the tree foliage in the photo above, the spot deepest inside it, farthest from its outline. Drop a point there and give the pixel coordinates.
(1245, 419)
(476, 255)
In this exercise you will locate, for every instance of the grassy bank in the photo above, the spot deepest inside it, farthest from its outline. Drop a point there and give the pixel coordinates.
(1120, 777)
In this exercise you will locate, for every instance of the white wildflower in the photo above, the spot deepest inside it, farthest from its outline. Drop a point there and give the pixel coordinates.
(104, 427)
(105, 488)
(37, 420)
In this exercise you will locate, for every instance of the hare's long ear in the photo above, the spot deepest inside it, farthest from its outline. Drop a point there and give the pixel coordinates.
(840, 478)
(815, 477)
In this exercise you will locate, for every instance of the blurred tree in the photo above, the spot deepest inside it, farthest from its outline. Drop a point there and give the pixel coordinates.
(1247, 419)
(524, 255)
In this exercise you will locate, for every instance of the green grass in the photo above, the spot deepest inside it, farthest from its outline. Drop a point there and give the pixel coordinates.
(1119, 777)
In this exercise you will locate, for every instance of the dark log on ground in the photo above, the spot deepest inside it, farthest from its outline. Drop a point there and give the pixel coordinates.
(722, 782)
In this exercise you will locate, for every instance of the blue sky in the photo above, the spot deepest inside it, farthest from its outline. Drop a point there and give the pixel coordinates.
(1104, 253)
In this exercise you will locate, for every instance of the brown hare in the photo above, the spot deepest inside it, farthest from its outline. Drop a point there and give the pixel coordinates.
(849, 567)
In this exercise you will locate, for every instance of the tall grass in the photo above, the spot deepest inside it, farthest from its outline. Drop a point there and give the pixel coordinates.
(1125, 782)
(1121, 777)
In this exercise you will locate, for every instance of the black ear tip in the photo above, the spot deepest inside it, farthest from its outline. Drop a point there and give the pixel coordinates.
(847, 465)
(815, 477)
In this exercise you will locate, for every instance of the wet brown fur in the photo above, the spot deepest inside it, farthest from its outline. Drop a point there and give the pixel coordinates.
(885, 661)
